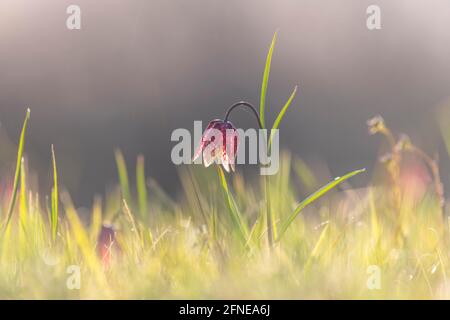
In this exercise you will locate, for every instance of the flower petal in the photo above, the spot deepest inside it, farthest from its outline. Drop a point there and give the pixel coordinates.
(231, 147)
(207, 137)
(225, 162)
(208, 156)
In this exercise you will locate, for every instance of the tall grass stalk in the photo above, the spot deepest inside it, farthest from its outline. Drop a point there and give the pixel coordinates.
(54, 198)
(141, 187)
(262, 109)
(17, 171)
(123, 176)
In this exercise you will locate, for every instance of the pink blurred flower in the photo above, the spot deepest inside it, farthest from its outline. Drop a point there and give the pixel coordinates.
(106, 244)
(414, 180)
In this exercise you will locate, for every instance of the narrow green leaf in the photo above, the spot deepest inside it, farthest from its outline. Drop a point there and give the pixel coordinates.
(316, 195)
(23, 208)
(18, 166)
(80, 235)
(141, 186)
(234, 211)
(280, 116)
(318, 248)
(55, 197)
(96, 219)
(262, 103)
(305, 174)
(123, 176)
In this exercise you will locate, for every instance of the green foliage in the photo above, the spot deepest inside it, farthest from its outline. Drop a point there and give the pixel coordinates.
(177, 257)
(18, 167)
(123, 176)
(141, 186)
(265, 81)
(236, 216)
(55, 198)
(280, 116)
(313, 197)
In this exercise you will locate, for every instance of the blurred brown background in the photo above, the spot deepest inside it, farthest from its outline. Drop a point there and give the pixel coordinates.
(139, 69)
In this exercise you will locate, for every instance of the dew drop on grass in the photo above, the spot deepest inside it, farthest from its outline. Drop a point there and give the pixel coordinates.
(433, 269)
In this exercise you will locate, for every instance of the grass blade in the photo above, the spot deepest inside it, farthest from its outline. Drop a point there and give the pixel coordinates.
(318, 248)
(262, 103)
(320, 243)
(23, 208)
(18, 166)
(234, 211)
(96, 219)
(79, 233)
(313, 197)
(141, 186)
(280, 116)
(123, 176)
(55, 198)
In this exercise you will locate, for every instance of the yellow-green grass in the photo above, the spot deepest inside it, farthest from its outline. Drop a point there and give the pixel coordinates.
(192, 247)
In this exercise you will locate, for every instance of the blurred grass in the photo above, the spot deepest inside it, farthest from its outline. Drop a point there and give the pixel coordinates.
(193, 248)
(18, 170)
(55, 198)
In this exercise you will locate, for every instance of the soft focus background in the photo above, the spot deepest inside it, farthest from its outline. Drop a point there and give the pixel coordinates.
(139, 69)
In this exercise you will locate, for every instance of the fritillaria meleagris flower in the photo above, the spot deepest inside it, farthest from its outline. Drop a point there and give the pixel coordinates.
(219, 144)
(106, 243)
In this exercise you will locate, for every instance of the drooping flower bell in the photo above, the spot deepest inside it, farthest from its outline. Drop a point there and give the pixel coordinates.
(220, 140)
(219, 144)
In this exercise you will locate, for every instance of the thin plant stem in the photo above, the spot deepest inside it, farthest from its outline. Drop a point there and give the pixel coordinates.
(244, 104)
(270, 235)
(270, 231)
